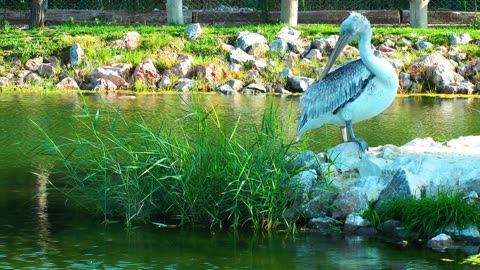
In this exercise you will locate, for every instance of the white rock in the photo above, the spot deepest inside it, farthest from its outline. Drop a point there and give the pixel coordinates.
(288, 33)
(193, 31)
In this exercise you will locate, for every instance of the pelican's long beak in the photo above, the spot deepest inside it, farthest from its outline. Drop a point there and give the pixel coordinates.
(341, 43)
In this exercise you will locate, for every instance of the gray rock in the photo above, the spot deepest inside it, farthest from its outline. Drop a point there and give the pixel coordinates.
(164, 82)
(184, 68)
(314, 54)
(288, 33)
(398, 187)
(280, 90)
(254, 88)
(441, 76)
(346, 156)
(46, 70)
(184, 85)
(16, 64)
(130, 41)
(299, 83)
(104, 84)
(146, 72)
(193, 32)
(306, 160)
(469, 234)
(279, 46)
(236, 84)
(440, 242)
(325, 45)
(392, 228)
(234, 67)
(455, 39)
(239, 56)
(464, 87)
(76, 54)
(32, 78)
(226, 89)
(300, 46)
(4, 81)
(423, 45)
(34, 64)
(67, 84)
(258, 50)
(304, 181)
(109, 74)
(322, 224)
(247, 39)
(352, 200)
(355, 224)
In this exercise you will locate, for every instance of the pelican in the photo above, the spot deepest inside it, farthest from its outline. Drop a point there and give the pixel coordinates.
(353, 92)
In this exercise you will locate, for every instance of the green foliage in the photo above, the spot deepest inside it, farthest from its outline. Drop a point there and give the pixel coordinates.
(427, 216)
(207, 175)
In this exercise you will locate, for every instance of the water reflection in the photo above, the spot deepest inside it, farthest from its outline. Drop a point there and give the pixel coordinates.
(41, 208)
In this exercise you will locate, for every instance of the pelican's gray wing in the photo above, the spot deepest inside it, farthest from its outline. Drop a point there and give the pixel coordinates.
(339, 87)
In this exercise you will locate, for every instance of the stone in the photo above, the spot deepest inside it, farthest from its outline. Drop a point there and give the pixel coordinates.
(355, 224)
(184, 85)
(288, 33)
(236, 84)
(441, 76)
(346, 156)
(372, 185)
(4, 81)
(254, 88)
(280, 90)
(164, 82)
(304, 181)
(234, 67)
(103, 84)
(227, 47)
(464, 87)
(34, 63)
(322, 224)
(108, 75)
(351, 200)
(239, 56)
(16, 64)
(325, 45)
(259, 65)
(258, 50)
(184, 68)
(468, 234)
(246, 39)
(440, 242)
(305, 160)
(428, 61)
(392, 228)
(193, 31)
(32, 78)
(455, 39)
(299, 46)
(211, 73)
(321, 203)
(225, 89)
(398, 187)
(130, 41)
(299, 83)
(46, 70)
(76, 54)
(279, 46)
(314, 54)
(146, 72)
(67, 84)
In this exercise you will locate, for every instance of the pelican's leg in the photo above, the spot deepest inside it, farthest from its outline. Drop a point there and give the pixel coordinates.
(362, 143)
(344, 134)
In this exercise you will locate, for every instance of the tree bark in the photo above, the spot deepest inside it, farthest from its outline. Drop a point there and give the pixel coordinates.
(419, 13)
(289, 12)
(38, 8)
(174, 12)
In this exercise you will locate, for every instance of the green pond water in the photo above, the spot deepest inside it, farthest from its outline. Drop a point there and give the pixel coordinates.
(41, 230)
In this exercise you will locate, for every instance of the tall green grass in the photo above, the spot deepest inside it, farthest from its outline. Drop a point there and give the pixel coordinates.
(201, 172)
(428, 216)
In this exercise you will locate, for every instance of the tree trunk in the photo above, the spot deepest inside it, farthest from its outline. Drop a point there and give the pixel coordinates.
(289, 12)
(38, 8)
(419, 13)
(174, 12)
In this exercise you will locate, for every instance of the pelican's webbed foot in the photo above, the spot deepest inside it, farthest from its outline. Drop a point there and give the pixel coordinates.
(361, 142)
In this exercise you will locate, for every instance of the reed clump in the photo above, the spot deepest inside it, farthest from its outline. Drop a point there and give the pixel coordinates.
(425, 217)
(200, 172)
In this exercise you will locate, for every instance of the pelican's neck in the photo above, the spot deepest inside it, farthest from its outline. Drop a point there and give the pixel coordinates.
(366, 53)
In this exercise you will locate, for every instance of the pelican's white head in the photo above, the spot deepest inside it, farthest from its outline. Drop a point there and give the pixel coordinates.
(355, 26)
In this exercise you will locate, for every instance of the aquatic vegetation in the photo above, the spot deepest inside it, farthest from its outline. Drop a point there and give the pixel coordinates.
(206, 176)
(427, 216)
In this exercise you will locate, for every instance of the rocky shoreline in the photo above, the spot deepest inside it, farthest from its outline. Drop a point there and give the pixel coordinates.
(445, 70)
(418, 169)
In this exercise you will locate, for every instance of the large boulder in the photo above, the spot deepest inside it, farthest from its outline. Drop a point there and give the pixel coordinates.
(146, 72)
(246, 39)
